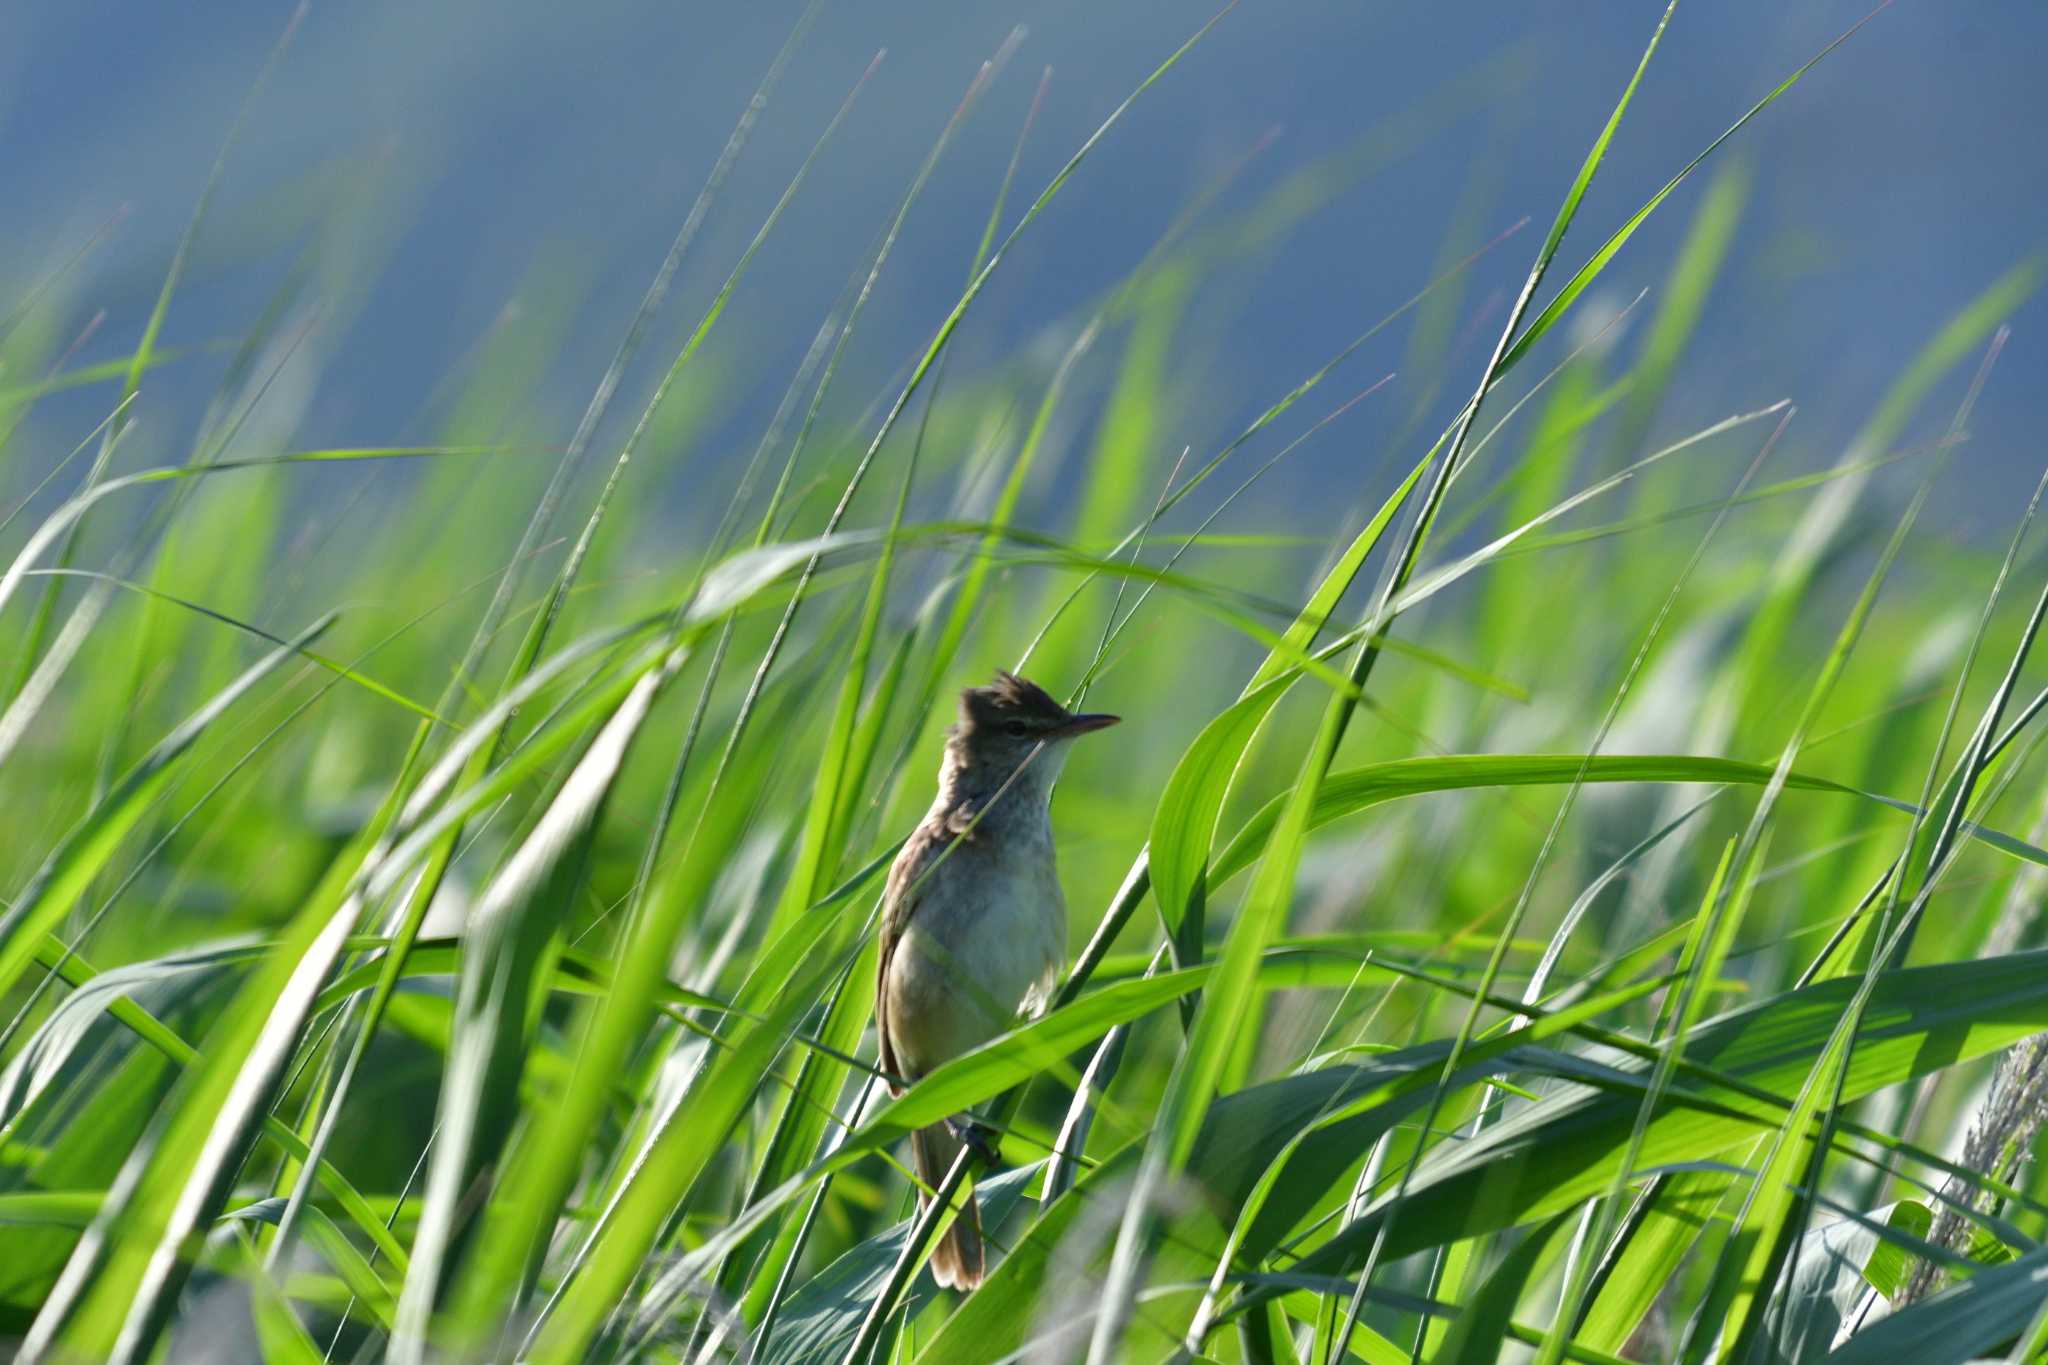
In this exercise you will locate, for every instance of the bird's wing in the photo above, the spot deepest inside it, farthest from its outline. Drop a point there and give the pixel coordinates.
(926, 845)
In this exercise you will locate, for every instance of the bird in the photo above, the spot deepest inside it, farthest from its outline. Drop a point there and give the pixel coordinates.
(973, 927)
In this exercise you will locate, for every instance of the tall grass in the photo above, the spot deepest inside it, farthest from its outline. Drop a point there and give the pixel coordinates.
(1572, 914)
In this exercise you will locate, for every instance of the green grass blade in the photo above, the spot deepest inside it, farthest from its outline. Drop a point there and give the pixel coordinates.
(75, 862)
(1590, 271)
(509, 941)
(1565, 1148)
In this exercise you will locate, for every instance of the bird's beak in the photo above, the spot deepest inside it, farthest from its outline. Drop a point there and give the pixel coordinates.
(1084, 723)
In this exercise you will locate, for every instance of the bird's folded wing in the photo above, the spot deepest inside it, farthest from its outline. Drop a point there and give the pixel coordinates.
(899, 902)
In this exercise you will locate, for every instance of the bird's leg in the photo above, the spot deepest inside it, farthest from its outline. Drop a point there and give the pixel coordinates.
(977, 1138)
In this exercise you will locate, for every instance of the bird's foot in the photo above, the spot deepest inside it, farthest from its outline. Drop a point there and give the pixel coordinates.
(977, 1138)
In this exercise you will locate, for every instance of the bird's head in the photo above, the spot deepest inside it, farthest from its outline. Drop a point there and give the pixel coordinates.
(1014, 719)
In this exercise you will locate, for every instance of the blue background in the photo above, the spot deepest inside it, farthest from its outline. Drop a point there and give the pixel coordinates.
(452, 166)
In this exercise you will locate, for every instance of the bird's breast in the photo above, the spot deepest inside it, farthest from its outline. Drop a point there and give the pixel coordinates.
(987, 936)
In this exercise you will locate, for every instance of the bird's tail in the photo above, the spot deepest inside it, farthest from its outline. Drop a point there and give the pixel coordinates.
(956, 1260)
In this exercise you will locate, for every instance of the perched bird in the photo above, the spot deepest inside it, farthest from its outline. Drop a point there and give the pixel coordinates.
(973, 924)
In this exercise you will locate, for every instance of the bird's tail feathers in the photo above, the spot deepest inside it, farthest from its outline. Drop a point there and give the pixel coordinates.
(957, 1259)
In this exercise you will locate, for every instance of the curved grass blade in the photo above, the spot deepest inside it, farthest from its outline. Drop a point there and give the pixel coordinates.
(152, 1031)
(1184, 824)
(1560, 1151)
(41, 1059)
(74, 863)
(1251, 1213)
(510, 941)
(1962, 1322)
(1359, 788)
(65, 517)
(332, 665)
(1590, 271)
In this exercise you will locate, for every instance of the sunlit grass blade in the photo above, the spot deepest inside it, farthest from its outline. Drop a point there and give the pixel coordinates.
(1565, 1148)
(61, 521)
(1184, 823)
(73, 865)
(332, 665)
(511, 938)
(1590, 271)
(154, 1033)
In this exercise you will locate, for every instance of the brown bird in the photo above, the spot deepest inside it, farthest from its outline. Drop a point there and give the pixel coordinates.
(973, 924)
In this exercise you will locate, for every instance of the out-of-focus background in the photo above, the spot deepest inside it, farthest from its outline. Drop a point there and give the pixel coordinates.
(449, 175)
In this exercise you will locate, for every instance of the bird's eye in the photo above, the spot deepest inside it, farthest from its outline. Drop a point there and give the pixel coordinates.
(1016, 729)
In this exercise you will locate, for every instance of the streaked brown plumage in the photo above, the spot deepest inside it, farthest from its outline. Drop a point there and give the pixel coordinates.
(973, 923)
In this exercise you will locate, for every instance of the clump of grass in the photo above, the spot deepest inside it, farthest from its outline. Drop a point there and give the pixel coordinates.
(1567, 928)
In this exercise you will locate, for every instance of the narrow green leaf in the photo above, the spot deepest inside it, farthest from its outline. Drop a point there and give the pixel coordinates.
(81, 855)
(1565, 1148)
(1480, 1331)
(507, 947)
